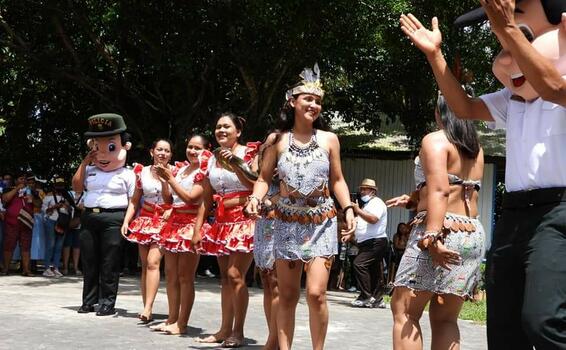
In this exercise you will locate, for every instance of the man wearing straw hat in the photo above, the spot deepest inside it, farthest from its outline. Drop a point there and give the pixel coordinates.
(371, 238)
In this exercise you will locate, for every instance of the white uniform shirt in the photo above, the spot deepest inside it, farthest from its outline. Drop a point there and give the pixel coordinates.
(365, 230)
(49, 201)
(536, 140)
(108, 190)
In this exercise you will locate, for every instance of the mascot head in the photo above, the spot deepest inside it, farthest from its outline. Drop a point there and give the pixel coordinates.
(107, 135)
(544, 26)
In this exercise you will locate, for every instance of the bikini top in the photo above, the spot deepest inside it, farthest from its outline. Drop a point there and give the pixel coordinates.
(304, 170)
(469, 185)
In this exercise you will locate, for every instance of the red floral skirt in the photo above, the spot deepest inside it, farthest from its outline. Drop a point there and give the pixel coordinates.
(177, 234)
(233, 230)
(146, 228)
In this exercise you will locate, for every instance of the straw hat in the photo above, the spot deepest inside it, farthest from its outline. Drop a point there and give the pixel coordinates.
(368, 183)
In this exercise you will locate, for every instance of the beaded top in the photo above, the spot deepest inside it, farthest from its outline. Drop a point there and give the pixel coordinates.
(304, 170)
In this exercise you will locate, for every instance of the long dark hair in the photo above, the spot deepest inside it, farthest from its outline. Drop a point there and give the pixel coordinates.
(460, 132)
(287, 117)
(277, 134)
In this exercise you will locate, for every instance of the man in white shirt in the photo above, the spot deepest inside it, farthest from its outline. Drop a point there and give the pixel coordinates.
(526, 273)
(372, 242)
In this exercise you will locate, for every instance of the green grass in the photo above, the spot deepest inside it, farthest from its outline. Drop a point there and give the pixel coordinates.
(471, 311)
(474, 311)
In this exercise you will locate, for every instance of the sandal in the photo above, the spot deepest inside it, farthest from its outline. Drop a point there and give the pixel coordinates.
(28, 274)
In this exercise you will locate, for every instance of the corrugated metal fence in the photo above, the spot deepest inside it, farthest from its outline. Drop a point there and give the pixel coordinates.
(395, 177)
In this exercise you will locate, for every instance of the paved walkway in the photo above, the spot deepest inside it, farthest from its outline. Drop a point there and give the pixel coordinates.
(40, 313)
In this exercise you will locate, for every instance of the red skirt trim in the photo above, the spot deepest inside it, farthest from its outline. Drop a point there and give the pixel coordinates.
(177, 235)
(146, 228)
(233, 230)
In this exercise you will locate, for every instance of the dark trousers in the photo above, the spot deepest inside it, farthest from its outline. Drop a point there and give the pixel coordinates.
(526, 273)
(101, 244)
(367, 265)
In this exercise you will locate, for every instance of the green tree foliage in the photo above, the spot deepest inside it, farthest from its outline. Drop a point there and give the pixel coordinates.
(169, 66)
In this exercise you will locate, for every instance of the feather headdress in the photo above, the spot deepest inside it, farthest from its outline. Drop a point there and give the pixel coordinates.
(310, 83)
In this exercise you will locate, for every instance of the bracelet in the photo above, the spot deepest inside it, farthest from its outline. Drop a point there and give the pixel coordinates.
(251, 196)
(433, 235)
(346, 209)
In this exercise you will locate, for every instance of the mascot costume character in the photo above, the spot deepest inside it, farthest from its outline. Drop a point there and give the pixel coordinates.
(108, 186)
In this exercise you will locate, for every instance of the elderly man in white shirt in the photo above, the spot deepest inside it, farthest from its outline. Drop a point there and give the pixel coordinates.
(372, 242)
(526, 273)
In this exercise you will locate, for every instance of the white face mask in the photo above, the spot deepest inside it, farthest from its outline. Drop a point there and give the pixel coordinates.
(366, 198)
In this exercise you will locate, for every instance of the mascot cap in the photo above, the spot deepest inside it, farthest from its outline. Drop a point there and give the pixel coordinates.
(106, 124)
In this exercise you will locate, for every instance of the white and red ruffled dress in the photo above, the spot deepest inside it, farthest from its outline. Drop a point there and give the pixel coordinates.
(146, 228)
(177, 234)
(231, 228)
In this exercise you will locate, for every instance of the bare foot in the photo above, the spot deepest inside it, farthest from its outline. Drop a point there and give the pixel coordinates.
(174, 329)
(213, 338)
(233, 342)
(159, 327)
(145, 317)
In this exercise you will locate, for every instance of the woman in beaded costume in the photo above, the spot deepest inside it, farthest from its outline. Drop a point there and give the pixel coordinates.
(231, 228)
(263, 250)
(146, 228)
(304, 231)
(441, 263)
(179, 239)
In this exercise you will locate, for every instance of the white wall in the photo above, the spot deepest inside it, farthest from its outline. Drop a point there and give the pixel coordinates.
(395, 177)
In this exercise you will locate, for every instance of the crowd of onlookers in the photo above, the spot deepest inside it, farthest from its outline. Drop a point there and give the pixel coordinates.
(50, 240)
(39, 221)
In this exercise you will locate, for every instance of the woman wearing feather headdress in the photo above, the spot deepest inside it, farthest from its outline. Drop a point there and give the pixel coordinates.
(304, 231)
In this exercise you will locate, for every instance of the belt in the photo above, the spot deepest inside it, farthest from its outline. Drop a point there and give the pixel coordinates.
(104, 210)
(531, 198)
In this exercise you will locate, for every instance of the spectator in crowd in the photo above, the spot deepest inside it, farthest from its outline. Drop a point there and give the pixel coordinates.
(72, 242)
(37, 250)
(336, 270)
(5, 183)
(349, 274)
(400, 239)
(207, 266)
(57, 214)
(372, 243)
(18, 220)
